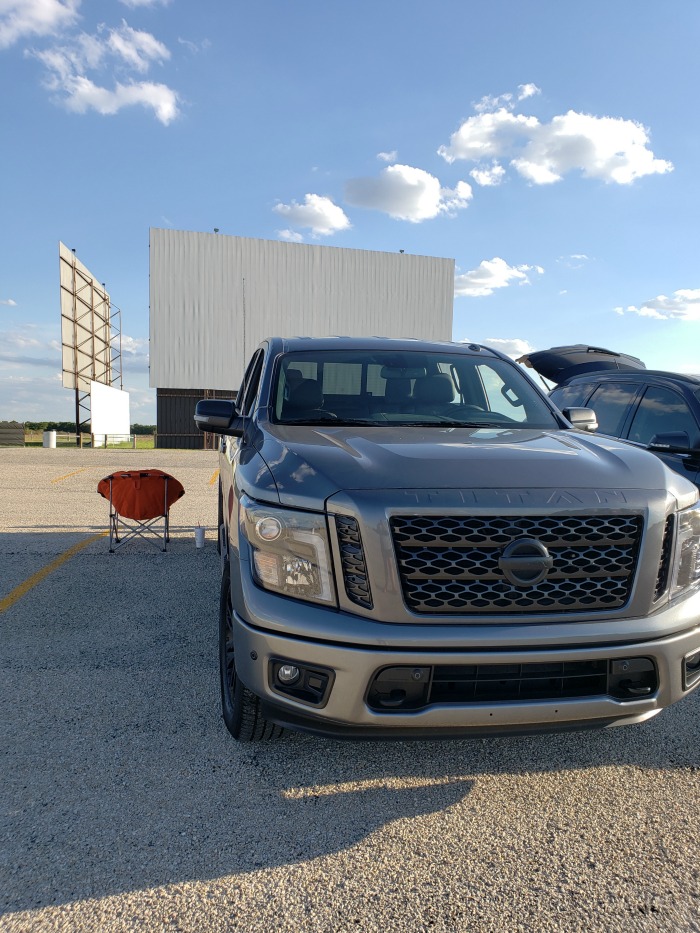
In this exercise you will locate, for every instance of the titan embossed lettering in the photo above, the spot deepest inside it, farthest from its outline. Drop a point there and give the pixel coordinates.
(610, 495)
(560, 496)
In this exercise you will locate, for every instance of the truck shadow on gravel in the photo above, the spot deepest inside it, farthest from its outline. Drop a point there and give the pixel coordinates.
(118, 774)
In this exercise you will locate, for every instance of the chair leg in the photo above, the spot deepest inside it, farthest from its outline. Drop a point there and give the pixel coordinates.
(166, 530)
(111, 519)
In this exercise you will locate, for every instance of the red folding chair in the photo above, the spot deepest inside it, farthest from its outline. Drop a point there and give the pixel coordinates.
(139, 505)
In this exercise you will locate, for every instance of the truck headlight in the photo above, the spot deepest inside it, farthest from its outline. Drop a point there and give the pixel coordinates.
(290, 551)
(686, 564)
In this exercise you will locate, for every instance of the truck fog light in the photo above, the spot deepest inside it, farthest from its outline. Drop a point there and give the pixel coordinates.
(288, 674)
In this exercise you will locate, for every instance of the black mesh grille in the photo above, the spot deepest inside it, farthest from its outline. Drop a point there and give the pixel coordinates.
(449, 564)
(352, 558)
(397, 689)
(665, 564)
(503, 682)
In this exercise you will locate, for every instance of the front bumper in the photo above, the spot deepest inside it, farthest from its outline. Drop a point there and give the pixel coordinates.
(345, 712)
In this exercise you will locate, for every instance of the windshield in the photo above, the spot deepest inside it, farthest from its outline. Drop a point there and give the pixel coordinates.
(398, 387)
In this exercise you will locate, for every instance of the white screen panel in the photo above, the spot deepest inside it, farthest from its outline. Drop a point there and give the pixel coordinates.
(109, 410)
(214, 298)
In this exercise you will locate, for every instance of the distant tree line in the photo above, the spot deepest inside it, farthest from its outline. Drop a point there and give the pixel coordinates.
(68, 427)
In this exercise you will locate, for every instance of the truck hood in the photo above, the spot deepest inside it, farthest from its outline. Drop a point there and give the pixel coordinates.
(310, 464)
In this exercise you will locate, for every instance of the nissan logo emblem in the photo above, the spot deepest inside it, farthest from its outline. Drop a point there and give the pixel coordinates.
(525, 562)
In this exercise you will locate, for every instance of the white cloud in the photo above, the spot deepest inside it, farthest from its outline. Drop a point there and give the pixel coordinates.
(195, 47)
(8, 302)
(607, 148)
(24, 337)
(487, 136)
(512, 347)
(81, 95)
(490, 275)
(134, 354)
(527, 90)
(455, 199)
(130, 50)
(319, 213)
(290, 235)
(489, 103)
(388, 156)
(574, 261)
(23, 18)
(133, 4)
(488, 177)
(138, 49)
(24, 360)
(407, 193)
(683, 305)
(134, 345)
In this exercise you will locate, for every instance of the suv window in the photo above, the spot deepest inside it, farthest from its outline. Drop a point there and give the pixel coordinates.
(572, 396)
(662, 411)
(611, 402)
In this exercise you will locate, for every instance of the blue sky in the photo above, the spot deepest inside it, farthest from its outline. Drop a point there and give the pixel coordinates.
(550, 148)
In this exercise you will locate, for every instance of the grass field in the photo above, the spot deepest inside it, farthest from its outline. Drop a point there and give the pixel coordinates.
(143, 441)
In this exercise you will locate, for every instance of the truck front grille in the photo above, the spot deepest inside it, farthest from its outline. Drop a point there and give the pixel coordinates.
(450, 564)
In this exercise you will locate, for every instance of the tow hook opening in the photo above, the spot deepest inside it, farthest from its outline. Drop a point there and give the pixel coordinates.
(691, 670)
(632, 678)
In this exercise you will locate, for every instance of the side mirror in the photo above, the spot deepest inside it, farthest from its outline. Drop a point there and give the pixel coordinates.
(583, 419)
(674, 441)
(219, 416)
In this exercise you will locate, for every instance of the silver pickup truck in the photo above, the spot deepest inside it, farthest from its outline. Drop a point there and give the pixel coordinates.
(416, 543)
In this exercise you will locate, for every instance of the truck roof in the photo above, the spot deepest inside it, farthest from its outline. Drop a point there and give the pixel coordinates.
(404, 344)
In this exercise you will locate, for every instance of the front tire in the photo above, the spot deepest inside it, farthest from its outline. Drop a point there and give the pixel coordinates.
(240, 708)
(219, 520)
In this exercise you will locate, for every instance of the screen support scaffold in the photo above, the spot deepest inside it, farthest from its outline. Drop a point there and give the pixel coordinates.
(91, 339)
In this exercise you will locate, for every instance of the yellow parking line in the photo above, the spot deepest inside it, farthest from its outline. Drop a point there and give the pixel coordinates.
(74, 473)
(31, 582)
(214, 477)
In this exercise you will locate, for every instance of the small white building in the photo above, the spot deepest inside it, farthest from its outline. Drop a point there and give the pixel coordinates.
(214, 298)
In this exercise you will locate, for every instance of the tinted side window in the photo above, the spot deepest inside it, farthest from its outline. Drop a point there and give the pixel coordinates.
(249, 387)
(611, 403)
(571, 396)
(662, 411)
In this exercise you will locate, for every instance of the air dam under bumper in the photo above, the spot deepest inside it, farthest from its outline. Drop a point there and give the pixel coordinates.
(345, 711)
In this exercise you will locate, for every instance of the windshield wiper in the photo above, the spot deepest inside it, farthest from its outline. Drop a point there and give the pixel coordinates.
(450, 423)
(317, 419)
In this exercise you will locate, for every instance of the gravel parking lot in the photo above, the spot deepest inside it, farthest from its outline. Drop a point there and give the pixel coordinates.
(126, 805)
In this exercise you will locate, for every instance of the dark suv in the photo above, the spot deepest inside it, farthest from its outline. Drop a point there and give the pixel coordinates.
(659, 411)
(656, 410)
